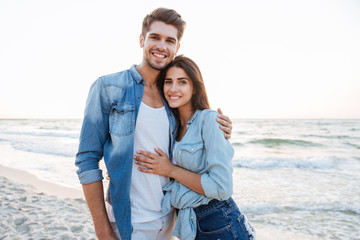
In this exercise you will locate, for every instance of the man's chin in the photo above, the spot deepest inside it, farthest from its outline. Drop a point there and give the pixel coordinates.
(158, 67)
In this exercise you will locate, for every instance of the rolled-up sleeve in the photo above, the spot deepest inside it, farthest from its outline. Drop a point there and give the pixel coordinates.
(217, 181)
(94, 134)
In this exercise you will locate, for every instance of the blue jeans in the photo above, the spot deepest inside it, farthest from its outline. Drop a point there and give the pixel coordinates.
(222, 220)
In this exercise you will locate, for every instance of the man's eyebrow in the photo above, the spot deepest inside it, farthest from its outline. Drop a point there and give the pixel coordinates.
(157, 35)
(173, 39)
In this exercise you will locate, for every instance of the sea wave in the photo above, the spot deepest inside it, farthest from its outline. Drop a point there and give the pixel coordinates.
(275, 142)
(316, 207)
(63, 149)
(330, 136)
(74, 135)
(278, 162)
(356, 146)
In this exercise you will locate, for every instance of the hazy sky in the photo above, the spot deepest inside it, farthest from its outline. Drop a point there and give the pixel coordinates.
(259, 59)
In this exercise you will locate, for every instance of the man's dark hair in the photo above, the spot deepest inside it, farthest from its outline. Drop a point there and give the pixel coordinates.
(168, 16)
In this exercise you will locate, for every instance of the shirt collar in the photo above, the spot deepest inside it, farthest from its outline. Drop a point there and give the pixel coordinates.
(135, 74)
(197, 112)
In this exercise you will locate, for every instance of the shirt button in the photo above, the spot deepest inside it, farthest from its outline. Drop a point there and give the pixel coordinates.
(138, 97)
(229, 226)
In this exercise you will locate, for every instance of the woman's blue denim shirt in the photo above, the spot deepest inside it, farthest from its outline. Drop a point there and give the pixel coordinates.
(108, 131)
(204, 150)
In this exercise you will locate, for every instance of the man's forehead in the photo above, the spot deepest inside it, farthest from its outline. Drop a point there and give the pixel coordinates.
(163, 29)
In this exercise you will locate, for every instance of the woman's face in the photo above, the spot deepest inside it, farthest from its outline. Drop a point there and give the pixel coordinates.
(178, 89)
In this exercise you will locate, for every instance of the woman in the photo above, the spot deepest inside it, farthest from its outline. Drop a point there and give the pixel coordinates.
(202, 170)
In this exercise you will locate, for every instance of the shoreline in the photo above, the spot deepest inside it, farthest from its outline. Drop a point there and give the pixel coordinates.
(38, 185)
(36, 208)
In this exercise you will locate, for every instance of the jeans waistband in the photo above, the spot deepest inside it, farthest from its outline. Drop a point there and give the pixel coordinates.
(214, 204)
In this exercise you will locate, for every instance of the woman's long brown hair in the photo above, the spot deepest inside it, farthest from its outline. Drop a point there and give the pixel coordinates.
(199, 100)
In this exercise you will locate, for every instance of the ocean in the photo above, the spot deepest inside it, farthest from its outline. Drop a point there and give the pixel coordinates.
(299, 176)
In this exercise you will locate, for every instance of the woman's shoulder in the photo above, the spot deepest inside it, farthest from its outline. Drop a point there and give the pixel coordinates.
(208, 114)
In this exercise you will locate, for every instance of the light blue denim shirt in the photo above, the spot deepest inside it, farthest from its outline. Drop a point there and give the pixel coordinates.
(204, 150)
(108, 131)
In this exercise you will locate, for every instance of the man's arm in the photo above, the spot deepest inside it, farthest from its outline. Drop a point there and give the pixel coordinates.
(225, 124)
(94, 195)
(94, 134)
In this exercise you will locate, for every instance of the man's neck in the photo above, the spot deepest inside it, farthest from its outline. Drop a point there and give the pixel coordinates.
(151, 95)
(148, 73)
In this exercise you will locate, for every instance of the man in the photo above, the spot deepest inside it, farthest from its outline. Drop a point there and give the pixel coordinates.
(124, 113)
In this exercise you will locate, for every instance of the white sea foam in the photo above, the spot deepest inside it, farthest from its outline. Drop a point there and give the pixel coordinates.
(279, 162)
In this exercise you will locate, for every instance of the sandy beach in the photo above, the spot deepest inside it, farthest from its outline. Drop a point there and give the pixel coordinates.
(34, 209)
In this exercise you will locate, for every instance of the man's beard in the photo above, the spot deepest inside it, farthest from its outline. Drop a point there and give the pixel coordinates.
(155, 67)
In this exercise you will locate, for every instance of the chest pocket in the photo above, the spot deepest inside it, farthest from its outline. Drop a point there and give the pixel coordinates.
(192, 156)
(122, 118)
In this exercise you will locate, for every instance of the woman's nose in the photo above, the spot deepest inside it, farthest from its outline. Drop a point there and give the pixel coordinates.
(174, 87)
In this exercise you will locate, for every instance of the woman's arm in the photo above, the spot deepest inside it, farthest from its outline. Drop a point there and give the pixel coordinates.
(161, 165)
(217, 181)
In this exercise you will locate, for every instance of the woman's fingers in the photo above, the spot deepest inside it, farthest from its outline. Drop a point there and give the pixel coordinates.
(145, 162)
(144, 165)
(147, 154)
(143, 159)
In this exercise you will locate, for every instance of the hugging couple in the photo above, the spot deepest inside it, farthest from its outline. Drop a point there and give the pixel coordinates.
(167, 154)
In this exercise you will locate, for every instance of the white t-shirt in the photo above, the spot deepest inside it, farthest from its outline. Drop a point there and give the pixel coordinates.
(151, 130)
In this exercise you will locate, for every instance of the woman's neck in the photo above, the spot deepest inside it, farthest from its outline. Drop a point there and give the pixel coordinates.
(185, 115)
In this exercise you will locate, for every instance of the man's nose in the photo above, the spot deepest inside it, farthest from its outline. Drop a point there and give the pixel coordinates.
(161, 46)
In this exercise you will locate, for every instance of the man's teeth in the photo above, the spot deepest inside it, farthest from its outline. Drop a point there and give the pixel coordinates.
(174, 98)
(159, 55)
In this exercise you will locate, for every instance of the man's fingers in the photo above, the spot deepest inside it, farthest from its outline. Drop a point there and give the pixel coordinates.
(227, 136)
(225, 118)
(224, 123)
(226, 130)
(219, 111)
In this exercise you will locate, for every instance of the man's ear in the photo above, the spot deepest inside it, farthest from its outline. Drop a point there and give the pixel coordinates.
(141, 41)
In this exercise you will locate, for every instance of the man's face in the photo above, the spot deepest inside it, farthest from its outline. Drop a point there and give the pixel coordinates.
(160, 45)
